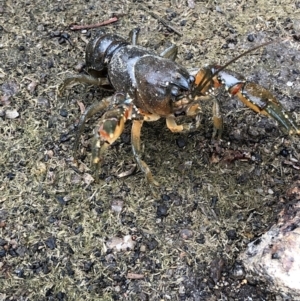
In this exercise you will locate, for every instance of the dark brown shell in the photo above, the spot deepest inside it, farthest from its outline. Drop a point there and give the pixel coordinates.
(99, 51)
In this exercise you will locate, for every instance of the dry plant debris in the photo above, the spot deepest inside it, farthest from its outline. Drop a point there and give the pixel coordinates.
(55, 220)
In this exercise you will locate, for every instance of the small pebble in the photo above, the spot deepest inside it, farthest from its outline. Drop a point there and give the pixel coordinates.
(117, 205)
(40, 27)
(162, 211)
(151, 244)
(191, 4)
(55, 33)
(284, 152)
(51, 243)
(63, 113)
(180, 142)
(165, 197)
(186, 234)
(219, 10)
(200, 239)
(231, 234)
(238, 271)
(78, 229)
(11, 114)
(143, 248)
(42, 101)
(121, 244)
(88, 266)
(250, 38)
(19, 273)
(10, 176)
(188, 56)
(3, 242)
(3, 100)
(61, 296)
(61, 200)
(87, 178)
(32, 86)
(64, 138)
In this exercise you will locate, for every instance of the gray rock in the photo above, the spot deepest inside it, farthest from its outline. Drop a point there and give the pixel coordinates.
(274, 258)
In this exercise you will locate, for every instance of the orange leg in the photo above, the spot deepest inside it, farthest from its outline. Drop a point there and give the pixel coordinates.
(217, 119)
(136, 149)
(192, 110)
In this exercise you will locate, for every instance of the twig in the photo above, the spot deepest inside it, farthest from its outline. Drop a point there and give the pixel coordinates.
(162, 21)
(79, 27)
(135, 276)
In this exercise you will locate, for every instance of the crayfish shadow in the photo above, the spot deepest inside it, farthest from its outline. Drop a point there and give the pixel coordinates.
(177, 160)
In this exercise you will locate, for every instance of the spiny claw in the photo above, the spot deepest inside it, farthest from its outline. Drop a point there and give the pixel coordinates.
(252, 95)
(110, 128)
(256, 98)
(262, 101)
(112, 123)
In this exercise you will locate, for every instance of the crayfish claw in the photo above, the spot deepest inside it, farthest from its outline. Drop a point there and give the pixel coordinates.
(262, 101)
(256, 97)
(110, 128)
(89, 112)
(182, 128)
(283, 117)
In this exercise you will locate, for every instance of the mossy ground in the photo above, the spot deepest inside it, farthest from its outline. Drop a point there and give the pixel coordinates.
(54, 222)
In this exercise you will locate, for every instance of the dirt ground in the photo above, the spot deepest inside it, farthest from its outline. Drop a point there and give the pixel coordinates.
(215, 197)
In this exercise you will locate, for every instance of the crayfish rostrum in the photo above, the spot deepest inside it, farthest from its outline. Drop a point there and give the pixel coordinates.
(149, 86)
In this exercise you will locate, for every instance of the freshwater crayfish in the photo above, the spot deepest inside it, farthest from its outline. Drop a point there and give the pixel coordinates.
(149, 86)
